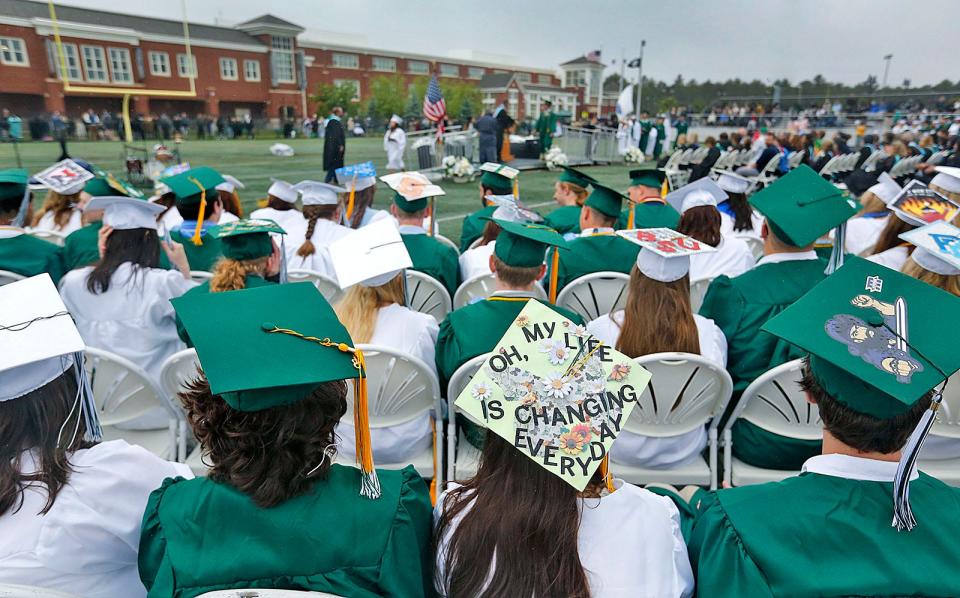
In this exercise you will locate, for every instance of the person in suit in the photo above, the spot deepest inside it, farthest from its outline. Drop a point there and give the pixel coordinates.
(703, 168)
(334, 144)
(487, 129)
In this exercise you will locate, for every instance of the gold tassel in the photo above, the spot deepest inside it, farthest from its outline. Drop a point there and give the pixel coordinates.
(631, 217)
(516, 189)
(196, 239)
(605, 472)
(665, 187)
(353, 192)
(433, 482)
(554, 266)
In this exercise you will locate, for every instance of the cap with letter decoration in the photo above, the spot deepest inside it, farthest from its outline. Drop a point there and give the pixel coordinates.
(572, 175)
(283, 190)
(665, 254)
(947, 178)
(498, 177)
(290, 342)
(247, 239)
(702, 192)
(876, 343)
(605, 200)
(66, 177)
(126, 213)
(372, 256)
(315, 193)
(937, 247)
(732, 182)
(647, 177)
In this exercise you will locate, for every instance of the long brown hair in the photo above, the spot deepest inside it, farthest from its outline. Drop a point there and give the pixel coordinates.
(362, 200)
(657, 317)
(61, 205)
(890, 235)
(34, 422)
(702, 223)
(312, 214)
(279, 205)
(490, 232)
(516, 511)
(947, 282)
(742, 212)
(358, 308)
(231, 202)
(230, 275)
(871, 204)
(139, 246)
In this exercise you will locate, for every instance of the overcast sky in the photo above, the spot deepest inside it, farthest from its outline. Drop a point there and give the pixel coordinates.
(845, 40)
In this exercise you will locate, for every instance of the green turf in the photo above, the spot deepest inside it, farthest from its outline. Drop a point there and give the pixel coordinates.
(251, 162)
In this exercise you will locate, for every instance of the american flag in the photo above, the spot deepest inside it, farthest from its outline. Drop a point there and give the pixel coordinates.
(593, 56)
(434, 108)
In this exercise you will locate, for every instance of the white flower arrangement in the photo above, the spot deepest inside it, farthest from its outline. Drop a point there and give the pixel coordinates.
(457, 168)
(555, 158)
(634, 156)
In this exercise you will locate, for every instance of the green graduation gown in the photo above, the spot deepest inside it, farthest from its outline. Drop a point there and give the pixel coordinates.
(472, 228)
(199, 536)
(595, 253)
(200, 257)
(251, 281)
(565, 219)
(645, 126)
(546, 126)
(651, 214)
(29, 256)
(434, 259)
(740, 306)
(823, 535)
(661, 139)
(80, 247)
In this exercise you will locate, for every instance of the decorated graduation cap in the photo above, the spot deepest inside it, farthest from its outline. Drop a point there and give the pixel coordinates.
(664, 253)
(702, 192)
(193, 187)
(947, 178)
(247, 239)
(937, 247)
(290, 342)
(647, 177)
(283, 190)
(732, 182)
(877, 345)
(918, 205)
(315, 193)
(886, 188)
(605, 200)
(372, 256)
(356, 177)
(500, 178)
(104, 184)
(66, 177)
(412, 190)
(38, 343)
(576, 177)
(13, 185)
(125, 213)
(512, 209)
(555, 393)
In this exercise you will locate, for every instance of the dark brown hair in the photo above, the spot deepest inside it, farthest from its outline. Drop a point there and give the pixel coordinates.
(702, 223)
(490, 232)
(230, 202)
(519, 512)
(362, 200)
(278, 204)
(890, 235)
(312, 214)
(33, 422)
(192, 211)
(742, 212)
(11, 206)
(863, 432)
(515, 276)
(139, 246)
(657, 317)
(266, 454)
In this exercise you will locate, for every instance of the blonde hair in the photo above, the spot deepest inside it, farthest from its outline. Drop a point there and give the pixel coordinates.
(871, 204)
(658, 317)
(955, 197)
(580, 193)
(358, 309)
(312, 214)
(60, 205)
(947, 282)
(229, 275)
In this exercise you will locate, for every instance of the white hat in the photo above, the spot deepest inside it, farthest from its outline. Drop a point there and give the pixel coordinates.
(357, 176)
(934, 262)
(396, 119)
(886, 188)
(667, 246)
(947, 178)
(702, 192)
(319, 194)
(937, 247)
(230, 183)
(412, 185)
(283, 190)
(372, 255)
(511, 210)
(662, 268)
(65, 177)
(125, 213)
(732, 182)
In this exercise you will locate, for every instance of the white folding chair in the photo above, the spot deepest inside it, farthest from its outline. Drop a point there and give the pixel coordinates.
(462, 457)
(946, 428)
(686, 392)
(327, 286)
(19, 591)
(49, 236)
(871, 162)
(482, 286)
(698, 290)
(124, 393)
(765, 176)
(200, 276)
(263, 593)
(447, 242)
(401, 388)
(6, 277)
(426, 295)
(593, 295)
(795, 159)
(775, 403)
(179, 368)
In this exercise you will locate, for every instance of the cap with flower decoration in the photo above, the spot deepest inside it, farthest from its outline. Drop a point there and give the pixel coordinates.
(412, 190)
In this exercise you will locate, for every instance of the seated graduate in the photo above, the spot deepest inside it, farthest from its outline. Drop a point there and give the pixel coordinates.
(274, 510)
(230, 199)
(570, 191)
(530, 523)
(658, 318)
(890, 250)
(647, 208)
(598, 248)
(360, 180)
(19, 252)
(742, 304)
(412, 194)
(828, 531)
(517, 264)
(122, 303)
(70, 505)
(947, 182)
(476, 261)
(281, 208)
(865, 228)
(199, 204)
(700, 219)
(61, 210)
(321, 217)
(496, 179)
(737, 218)
(250, 259)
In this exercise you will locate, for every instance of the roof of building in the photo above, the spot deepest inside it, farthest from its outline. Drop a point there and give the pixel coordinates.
(269, 20)
(495, 81)
(548, 88)
(582, 60)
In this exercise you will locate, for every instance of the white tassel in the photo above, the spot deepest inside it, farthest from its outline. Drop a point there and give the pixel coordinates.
(370, 485)
(20, 220)
(836, 255)
(283, 260)
(903, 518)
(88, 406)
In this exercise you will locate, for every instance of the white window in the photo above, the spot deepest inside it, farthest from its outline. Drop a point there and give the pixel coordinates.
(449, 70)
(513, 101)
(72, 59)
(346, 61)
(184, 68)
(120, 65)
(418, 67)
(251, 70)
(13, 52)
(475, 72)
(544, 79)
(228, 69)
(160, 64)
(388, 65)
(576, 79)
(281, 58)
(499, 72)
(523, 77)
(352, 82)
(94, 63)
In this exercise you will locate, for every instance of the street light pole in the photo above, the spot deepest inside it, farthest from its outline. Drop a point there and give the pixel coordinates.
(886, 68)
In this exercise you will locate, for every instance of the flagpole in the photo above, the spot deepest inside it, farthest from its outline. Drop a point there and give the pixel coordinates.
(643, 44)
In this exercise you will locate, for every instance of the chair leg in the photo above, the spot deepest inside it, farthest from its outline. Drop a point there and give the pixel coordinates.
(712, 440)
(727, 456)
(451, 446)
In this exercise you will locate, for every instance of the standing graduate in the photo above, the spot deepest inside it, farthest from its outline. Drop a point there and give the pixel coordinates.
(199, 204)
(334, 144)
(394, 142)
(495, 180)
(21, 253)
(570, 191)
(546, 126)
(875, 353)
(322, 215)
(649, 209)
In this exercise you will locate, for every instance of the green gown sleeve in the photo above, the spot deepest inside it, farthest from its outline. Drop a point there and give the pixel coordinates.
(470, 232)
(720, 563)
(450, 266)
(153, 562)
(724, 305)
(449, 356)
(406, 568)
(54, 265)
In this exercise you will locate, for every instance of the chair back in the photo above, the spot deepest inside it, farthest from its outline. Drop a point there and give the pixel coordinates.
(685, 392)
(594, 295)
(447, 242)
(482, 286)
(8, 590)
(200, 275)
(775, 403)
(698, 290)
(400, 387)
(947, 423)
(49, 236)
(327, 286)
(460, 379)
(179, 368)
(426, 295)
(6, 277)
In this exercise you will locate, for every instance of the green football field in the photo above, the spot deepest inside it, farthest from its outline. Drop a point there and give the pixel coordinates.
(251, 162)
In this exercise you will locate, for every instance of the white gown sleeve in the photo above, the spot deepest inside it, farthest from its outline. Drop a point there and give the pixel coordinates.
(166, 285)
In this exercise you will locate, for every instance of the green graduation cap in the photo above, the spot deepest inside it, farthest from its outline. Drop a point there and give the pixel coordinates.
(188, 187)
(247, 239)
(605, 200)
(524, 245)
(801, 207)
(574, 176)
(13, 183)
(647, 177)
(498, 177)
(410, 206)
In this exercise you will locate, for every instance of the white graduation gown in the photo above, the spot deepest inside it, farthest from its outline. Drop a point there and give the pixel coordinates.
(893, 258)
(324, 233)
(291, 221)
(87, 543)
(727, 222)
(476, 261)
(629, 543)
(47, 223)
(414, 333)
(862, 234)
(227, 217)
(371, 215)
(671, 451)
(394, 142)
(170, 221)
(732, 257)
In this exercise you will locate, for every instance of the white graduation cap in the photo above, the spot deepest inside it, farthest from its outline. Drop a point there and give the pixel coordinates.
(412, 185)
(510, 209)
(396, 119)
(947, 178)
(702, 192)
(283, 190)
(501, 169)
(315, 193)
(661, 252)
(125, 213)
(372, 256)
(886, 188)
(732, 182)
(65, 177)
(937, 247)
(230, 183)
